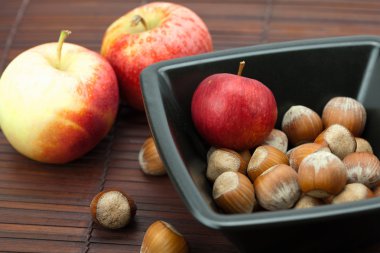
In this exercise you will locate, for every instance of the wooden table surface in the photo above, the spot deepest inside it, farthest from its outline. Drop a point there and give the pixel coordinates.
(45, 208)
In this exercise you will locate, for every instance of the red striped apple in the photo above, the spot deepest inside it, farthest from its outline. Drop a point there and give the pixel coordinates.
(148, 34)
(232, 111)
(57, 101)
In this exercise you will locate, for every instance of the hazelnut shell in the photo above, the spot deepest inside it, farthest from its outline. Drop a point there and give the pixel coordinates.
(112, 209)
(352, 192)
(300, 152)
(339, 139)
(321, 174)
(233, 192)
(163, 237)
(347, 112)
(221, 160)
(263, 158)
(301, 124)
(362, 167)
(277, 188)
(149, 159)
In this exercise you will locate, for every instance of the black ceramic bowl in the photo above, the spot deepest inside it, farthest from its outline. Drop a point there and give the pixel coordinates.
(301, 72)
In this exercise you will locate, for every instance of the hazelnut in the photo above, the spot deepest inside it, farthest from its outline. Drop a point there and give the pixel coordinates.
(298, 153)
(362, 145)
(347, 112)
(301, 124)
(307, 202)
(352, 192)
(277, 188)
(339, 139)
(149, 159)
(321, 174)
(163, 237)
(234, 193)
(222, 160)
(263, 158)
(112, 209)
(277, 139)
(362, 167)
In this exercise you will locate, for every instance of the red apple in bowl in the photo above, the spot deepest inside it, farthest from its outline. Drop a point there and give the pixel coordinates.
(148, 34)
(57, 101)
(232, 111)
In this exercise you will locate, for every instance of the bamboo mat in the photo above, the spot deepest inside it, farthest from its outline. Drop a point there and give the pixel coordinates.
(45, 208)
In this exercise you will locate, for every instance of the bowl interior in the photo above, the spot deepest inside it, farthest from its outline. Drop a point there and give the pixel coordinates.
(306, 73)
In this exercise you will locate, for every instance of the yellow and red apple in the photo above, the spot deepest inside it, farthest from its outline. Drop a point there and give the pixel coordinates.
(148, 34)
(57, 101)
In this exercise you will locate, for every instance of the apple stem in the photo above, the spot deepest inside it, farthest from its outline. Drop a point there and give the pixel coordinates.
(241, 67)
(62, 37)
(138, 19)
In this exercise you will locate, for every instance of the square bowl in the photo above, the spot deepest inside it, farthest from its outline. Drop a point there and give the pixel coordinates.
(307, 72)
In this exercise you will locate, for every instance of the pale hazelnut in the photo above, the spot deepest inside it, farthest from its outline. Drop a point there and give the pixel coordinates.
(245, 154)
(362, 167)
(339, 139)
(263, 158)
(112, 209)
(352, 192)
(149, 159)
(347, 112)
(163, 237)
(301, 124)
(277, 139)
(362, 145)
(307, 202)
(277, 188)
(298, 153)
(322, 174)
(233, 192)
(221, 160)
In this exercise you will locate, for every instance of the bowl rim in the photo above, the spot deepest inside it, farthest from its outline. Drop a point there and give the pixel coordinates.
(180, 177)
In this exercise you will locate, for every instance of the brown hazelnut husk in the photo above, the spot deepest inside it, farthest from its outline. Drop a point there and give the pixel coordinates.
(221, 160)
(149, 159)
(277, 139)
(352, 192)
(277, 188)
(298, 153)
(362, 145)
(263, 158)
(301, 124)
(233, 192)
(322, 174)
(347, 112)
(339, 139)
(163, 237)
(362, 167)
(307, 202)
(112, 209)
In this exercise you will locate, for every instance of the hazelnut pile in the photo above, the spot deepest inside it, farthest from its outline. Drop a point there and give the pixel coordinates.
(328, 163)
